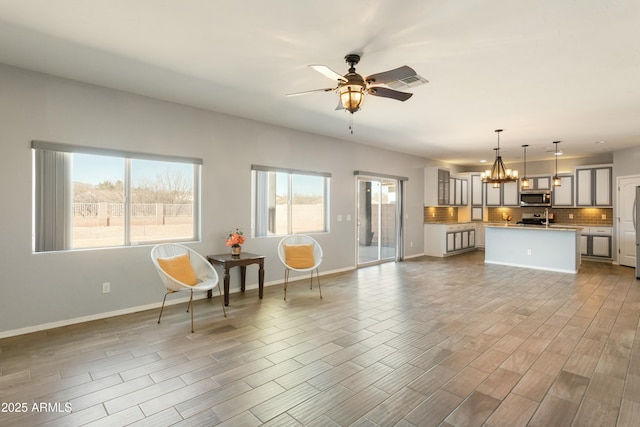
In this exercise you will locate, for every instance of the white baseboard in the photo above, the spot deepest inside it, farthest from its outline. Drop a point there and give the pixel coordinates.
(129, 310)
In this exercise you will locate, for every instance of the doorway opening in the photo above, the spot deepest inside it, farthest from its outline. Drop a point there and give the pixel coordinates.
(379, 235)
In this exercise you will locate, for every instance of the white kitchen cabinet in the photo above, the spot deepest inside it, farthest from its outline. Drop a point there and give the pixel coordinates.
(511, 194)
(436, 186)
(493, 195)
(464, 196)
(584, 244)
(594, 186)
(458, 189)
(601, 246)
(448, 239)
(476, 190)
(460, 239)
(595, 242)
(541, 182)
(452, 190)
(506, 194)
(477, 213)
(479, 235)
(563, 194)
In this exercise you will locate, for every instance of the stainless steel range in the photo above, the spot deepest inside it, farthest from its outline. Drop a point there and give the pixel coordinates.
(535, 219)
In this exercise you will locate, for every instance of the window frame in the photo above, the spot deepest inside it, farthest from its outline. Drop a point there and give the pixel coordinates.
(128, 157)
(256, 211)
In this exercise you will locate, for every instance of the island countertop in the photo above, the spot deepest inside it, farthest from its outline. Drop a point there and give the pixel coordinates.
(553, 248)
(551, 227)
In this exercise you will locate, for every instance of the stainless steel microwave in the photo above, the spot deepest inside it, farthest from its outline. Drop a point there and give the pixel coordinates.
(535, 198)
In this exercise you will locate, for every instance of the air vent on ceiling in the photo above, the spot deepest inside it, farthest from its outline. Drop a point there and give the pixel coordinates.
(410, 81)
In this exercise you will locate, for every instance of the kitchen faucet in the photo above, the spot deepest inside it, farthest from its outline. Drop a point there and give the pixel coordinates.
(546, 217)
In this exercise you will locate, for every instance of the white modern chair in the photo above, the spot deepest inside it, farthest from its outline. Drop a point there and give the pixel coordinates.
(299, 252)
(177, 270)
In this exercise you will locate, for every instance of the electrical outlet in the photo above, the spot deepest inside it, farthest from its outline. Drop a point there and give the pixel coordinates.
(106, 287)
(528, 251)
(570, 216)
(604, 216)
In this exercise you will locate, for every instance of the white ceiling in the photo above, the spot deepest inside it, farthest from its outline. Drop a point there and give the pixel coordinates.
(543, 70)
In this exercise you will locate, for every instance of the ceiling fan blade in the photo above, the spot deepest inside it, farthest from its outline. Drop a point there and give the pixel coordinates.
(389, 93)
(328, 72)
(391, 75)
(329, 89)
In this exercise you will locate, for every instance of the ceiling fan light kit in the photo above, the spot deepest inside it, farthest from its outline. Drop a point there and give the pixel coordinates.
(352, 87)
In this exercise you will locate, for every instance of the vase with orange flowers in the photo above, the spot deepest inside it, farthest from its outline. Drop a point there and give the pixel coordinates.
(235, 240)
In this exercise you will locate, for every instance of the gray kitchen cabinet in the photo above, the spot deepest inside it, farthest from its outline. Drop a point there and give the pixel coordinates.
(511, 194)
(461, 239)
(541, 182)
(464, 196)
(436, 187)
(594, 186)
(595, 242)
(442, 240)
(563, 195)
(476, 190)
(493, 195)
(506, 194)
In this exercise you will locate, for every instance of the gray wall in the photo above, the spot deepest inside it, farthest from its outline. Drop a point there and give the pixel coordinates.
(51, 288)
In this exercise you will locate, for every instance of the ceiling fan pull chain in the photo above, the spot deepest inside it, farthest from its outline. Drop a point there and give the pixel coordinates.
(351, 123)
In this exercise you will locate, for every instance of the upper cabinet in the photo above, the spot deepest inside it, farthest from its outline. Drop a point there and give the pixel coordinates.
(436, 186)
(593, 186)
(506, 194)
(563, 195)
(511, 194)
(476, 190)
(541, 183)
(443, 189)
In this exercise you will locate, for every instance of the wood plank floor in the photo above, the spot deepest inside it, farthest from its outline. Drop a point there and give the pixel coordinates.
(426, 342)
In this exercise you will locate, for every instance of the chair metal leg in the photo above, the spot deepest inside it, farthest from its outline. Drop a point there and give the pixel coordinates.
(318, 279)
(191, 302)
(162, 308)
(286, 280)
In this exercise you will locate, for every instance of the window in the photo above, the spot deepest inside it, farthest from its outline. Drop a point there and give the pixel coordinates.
(95, 198)
(288, 201)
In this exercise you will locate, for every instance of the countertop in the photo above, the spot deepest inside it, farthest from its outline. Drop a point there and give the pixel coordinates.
(552, 227)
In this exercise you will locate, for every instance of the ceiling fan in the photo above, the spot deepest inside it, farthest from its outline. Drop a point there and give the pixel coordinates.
(352, 87)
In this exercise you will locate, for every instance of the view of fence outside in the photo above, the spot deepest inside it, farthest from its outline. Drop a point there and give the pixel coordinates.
(102, 224)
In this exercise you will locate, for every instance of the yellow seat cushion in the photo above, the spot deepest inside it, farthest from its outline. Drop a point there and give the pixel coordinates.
(179, 267)
(299, 256)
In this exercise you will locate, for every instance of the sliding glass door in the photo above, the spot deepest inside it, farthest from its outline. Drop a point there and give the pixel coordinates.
(378, 225)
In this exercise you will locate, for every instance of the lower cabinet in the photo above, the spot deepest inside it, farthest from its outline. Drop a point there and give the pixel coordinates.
(448, 239)
(595, 242)
(458, 240)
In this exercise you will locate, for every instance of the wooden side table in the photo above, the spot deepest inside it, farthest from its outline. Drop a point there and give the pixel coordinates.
(228, 261)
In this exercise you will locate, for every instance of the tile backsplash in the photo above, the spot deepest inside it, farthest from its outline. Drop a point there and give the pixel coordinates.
(568, 216)
(439, 214)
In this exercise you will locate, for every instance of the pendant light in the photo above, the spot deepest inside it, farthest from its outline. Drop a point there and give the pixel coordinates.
(498, 173)
(524, 182)
(556, 178)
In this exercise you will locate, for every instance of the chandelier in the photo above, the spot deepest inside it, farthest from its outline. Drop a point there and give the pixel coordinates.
(498, 173)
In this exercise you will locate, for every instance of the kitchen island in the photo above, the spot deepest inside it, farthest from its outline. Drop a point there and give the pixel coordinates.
(553, 248)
